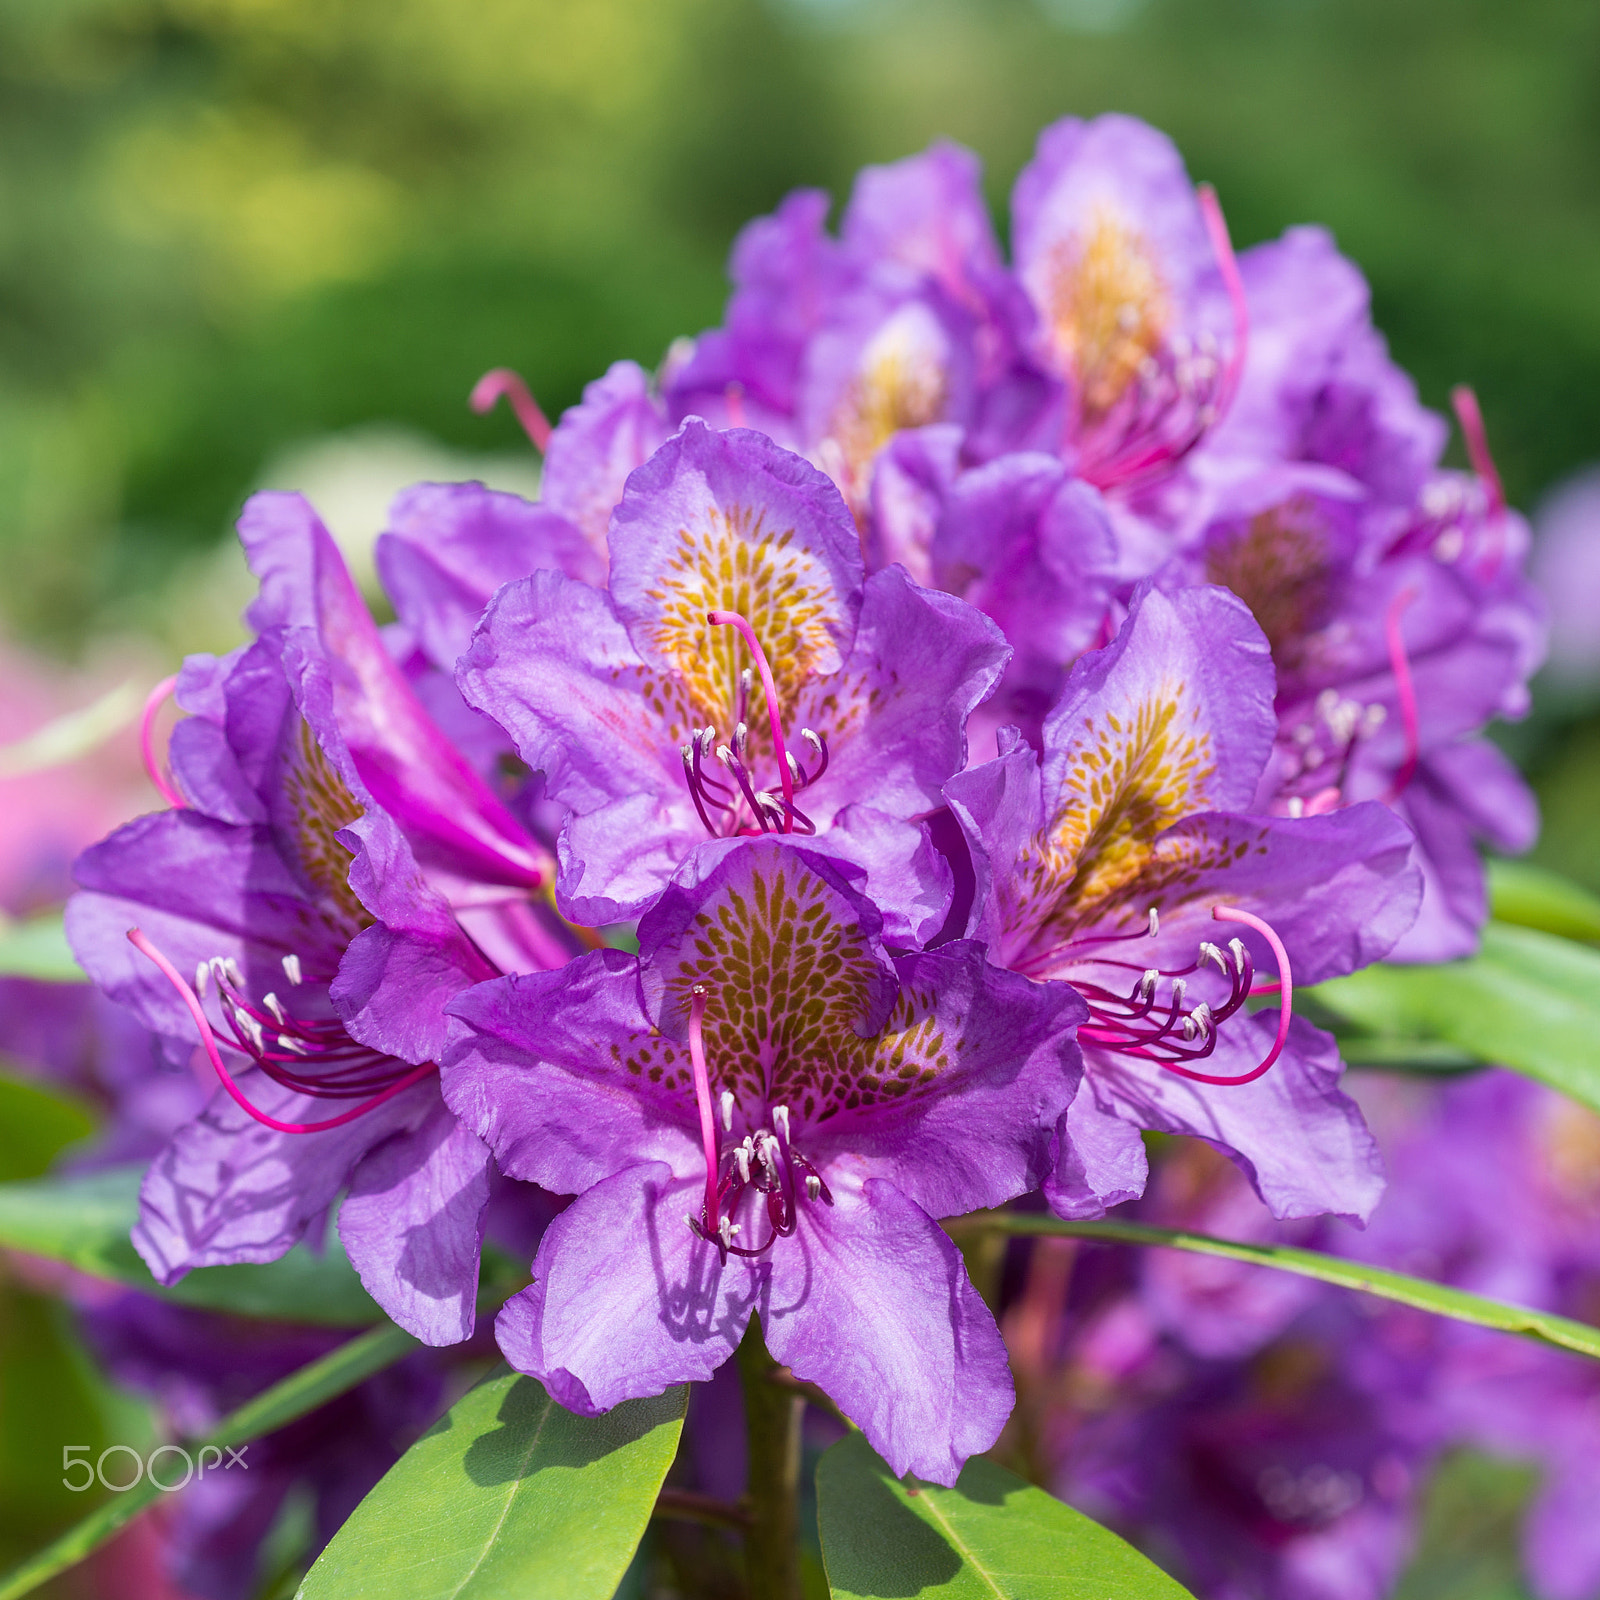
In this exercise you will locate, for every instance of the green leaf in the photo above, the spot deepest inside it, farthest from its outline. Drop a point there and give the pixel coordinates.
(314, 1385)
(84, 1221)
(507, 1496)
(992, 1537)
(40, 1122)
(1544, 1326)
(1527, 1000)
(36, 947)
(1534, 898)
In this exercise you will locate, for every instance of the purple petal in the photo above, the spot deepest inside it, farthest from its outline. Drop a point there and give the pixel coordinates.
(449, 546)
(1298, 1138)
(617, 427)
(412, 1226)
(625, 1300)
(561, 1078)
(872, 1303)
(227, 1189)
(733, 521)
(1101, 1160)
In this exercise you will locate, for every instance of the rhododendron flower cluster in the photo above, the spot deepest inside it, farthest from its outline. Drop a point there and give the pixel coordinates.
(919, 743)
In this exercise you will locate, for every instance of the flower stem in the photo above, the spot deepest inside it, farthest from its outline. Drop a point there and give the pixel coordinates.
(772, 1431)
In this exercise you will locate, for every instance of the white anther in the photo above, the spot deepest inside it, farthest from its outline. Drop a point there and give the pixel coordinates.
(202, 978)
(1155, 922)
(1448, 546)
(1297, 806)
(235, 976)
(727, 1228)
(1190, 1028)
(811, 739)
(287, 1041)
(1376, 716)
(780, 1121)
(724, 755)
(1209, 952)
(219, 971)
(1201, 1016)
(767, 1149)
(1178, 988)
(1147, 984)
(794, 766)
(291, 969)
(741, 736)
(727, 1110)
(741, 1159)
(1237, 948)
(253, 1029)
(270, 1001)
(813, 1186)
(747, 680)
(694, 1226)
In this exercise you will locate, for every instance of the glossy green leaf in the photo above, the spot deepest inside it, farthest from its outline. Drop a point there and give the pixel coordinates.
(84, 1221)
(1531, 897)
(1527, 1000)
(507, 1497)
(313, 1385)
(1544, 1326)
(36, 947)
(992, 1537)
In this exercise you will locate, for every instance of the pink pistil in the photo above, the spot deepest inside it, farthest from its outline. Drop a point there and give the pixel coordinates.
(732, 619)
(710, 1218)
(1405, 693)
(1470, 415)
(502, 381)
(208, 1040)
(1285, 1000)
(1228, 266)
(159, 775)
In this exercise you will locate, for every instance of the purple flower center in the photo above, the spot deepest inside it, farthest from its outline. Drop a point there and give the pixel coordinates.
(284, 1046)
(764, 1167)
(1148, 1026)
(762, 810)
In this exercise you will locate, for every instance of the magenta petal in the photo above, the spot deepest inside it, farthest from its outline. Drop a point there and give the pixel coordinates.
(872, 1303)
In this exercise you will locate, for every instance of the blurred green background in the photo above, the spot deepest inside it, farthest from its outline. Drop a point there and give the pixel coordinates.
(253, 241)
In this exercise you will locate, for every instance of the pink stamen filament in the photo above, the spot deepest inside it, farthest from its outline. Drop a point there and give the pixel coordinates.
(208, 1040)
(1470, 415)
(1136, 1025)
(1405, 693)
(1285, 996)
(503, 382)
(710, 1216)
(732, 619)
(1228, 266)
(160, 776)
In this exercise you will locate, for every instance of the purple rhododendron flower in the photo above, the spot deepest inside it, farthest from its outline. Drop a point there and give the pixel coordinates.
(764, 1113)
(1117, 860)
(739, 676)
(1396, 636)
(325, 928)
(1134, 284)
